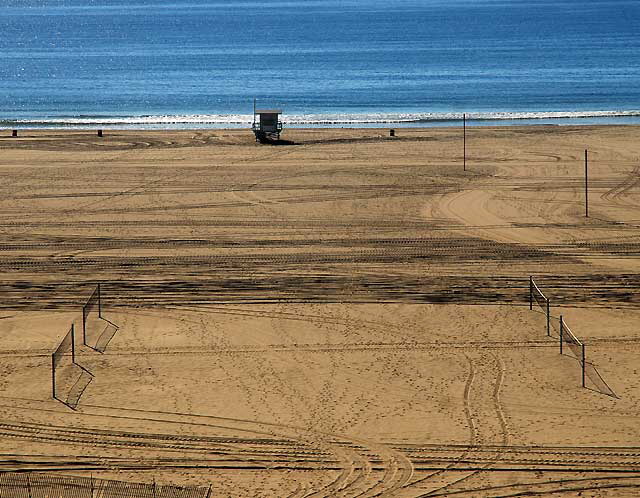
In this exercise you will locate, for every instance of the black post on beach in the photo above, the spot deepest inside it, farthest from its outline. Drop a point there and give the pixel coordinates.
(14, 133)
(464, 142)
(586, 183)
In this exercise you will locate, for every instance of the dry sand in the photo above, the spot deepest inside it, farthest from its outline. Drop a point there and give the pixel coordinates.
(347, 315)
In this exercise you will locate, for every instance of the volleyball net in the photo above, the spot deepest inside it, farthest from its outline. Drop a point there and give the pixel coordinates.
(68, 378)
(97, 332)
(537, 296)
(570, 344)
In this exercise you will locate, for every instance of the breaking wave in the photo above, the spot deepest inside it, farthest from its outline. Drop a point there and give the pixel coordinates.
(334, 119)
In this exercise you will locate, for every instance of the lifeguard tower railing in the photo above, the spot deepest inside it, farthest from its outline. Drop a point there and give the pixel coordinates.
(258, 127)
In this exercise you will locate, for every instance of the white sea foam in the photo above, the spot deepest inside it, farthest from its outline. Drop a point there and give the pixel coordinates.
(346, 119)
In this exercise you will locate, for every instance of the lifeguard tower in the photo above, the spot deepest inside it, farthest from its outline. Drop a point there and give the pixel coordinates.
(267, 126)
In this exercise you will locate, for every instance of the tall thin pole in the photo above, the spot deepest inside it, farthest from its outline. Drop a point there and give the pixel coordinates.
(464, 142)
(254, 112)
(586, 183)
(99, 302)
(530, 292)
(561, 333)
(583, 365)
(73, 345)
(53, 375)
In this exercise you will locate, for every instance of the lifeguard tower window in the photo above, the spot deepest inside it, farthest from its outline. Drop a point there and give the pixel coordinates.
(268, 125)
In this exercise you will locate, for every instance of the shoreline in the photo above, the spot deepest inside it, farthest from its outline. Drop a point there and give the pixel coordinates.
(176, 122)
(6, 133)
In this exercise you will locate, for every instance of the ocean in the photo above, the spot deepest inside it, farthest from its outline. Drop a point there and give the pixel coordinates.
(201, 63)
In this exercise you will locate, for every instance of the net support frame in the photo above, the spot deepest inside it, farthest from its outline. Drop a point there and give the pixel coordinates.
(564, 330)
(530, 293)
(600, 384)
(53, 359)
(73, 345)
(533, 287)
(53, 375)
(561, 332)
(96, 292)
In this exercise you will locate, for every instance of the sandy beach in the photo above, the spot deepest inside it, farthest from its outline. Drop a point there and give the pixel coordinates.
(347, 314)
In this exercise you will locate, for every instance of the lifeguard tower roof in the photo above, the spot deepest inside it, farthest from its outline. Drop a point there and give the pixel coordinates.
(268, 111)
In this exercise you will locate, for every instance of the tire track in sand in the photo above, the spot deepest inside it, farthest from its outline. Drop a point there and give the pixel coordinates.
(486, 420)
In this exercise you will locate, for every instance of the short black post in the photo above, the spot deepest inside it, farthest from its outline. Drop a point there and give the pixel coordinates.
(548, 319)
(561, 333)
(530, 293)
(586, 183)
(583, 366)
(464, 142)
(392, 132)
(14, 133)
(99, 133)
(53, 375)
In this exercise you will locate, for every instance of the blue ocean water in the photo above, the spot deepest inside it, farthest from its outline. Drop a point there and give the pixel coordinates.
(198, 63)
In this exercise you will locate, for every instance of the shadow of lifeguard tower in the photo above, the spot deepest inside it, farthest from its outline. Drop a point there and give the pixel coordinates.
(267, 125)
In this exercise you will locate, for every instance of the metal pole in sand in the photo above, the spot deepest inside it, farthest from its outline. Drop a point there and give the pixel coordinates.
(73, 344)
(586, 183)
(464, 142)
(53, 375)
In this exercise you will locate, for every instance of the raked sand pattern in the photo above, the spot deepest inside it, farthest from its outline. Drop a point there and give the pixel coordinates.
(347, 315)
